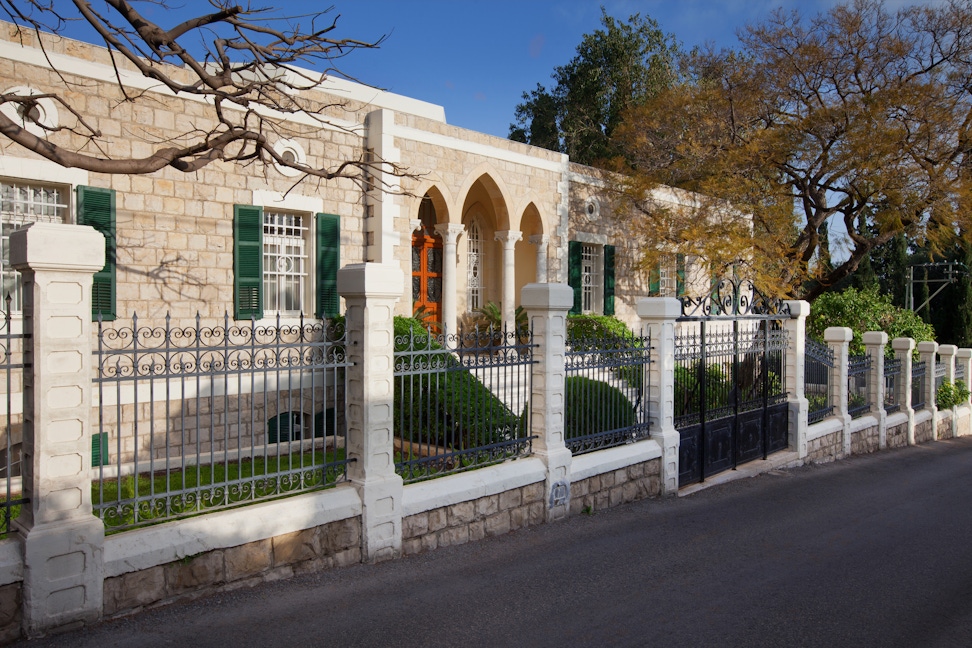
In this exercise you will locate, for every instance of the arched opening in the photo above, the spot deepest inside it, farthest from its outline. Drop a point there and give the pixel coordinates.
(427, 265)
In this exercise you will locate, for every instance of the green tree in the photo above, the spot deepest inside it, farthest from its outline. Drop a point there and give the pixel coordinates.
(614, 68)
(863, 311)
(858, 117)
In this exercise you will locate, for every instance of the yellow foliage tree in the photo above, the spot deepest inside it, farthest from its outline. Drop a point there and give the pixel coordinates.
(855, 121)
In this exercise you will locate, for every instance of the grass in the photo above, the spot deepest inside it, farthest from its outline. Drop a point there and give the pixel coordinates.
(133, 500)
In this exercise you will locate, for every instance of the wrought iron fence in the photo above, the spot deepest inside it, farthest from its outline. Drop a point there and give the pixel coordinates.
(461, 400)
(939, 375)
(12, 364)
(892, 374)
(858, 401)
(727, 369)
(205, 417)
(918, 371)
(606, 391)
(818, 366)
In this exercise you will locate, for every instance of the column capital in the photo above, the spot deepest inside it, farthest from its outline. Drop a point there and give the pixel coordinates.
(539, 239)
(450, 232)
(509, 237)
(415, 224)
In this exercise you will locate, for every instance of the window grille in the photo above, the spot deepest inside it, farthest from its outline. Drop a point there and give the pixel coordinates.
(20, 205)
(591, 279)
(475, 266)
(284, 262)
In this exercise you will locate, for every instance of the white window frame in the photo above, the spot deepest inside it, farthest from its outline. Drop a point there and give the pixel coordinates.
(592, 278)
(475, 251)
(19, 206)
(287, 243)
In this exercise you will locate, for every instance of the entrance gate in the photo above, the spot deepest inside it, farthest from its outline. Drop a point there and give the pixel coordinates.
(730, 394)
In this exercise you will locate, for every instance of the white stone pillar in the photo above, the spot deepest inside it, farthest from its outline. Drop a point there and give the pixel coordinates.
(795, 372)
(370, 291)
(658, 315)
(450, 233)
(547, 306)
(946, 354)
(963, 358)
(542, 241)
(928, 353)
(839, 337)
(509, 238)
(903, 348)
(62, 541)
(383, 191)
(874, 343)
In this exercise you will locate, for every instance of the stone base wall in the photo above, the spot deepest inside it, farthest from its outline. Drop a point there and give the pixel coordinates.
(898, 436)
(866, 441)
(944, 428)
(330, 545)
(636, 482)
(474, 519)
(826, 448)
(11, 604)
(924, 432)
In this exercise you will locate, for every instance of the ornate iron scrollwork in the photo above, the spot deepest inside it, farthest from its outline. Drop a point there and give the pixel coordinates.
(731, 298)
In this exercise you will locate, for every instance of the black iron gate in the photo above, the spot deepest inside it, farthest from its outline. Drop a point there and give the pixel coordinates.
(730, 381)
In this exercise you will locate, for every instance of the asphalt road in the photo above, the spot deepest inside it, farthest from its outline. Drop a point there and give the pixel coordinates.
(869, 551)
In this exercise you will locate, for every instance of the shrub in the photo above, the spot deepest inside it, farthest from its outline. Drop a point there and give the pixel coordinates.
(595, 332)
(862, 311)
(949, 395)
(592, 406)
(446, 406)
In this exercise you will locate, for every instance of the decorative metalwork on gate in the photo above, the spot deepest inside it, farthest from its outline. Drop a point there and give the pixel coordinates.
(193, 418)
(461, 400)
(12, 365)
(730, 379)
(733, 298)
(606, 391)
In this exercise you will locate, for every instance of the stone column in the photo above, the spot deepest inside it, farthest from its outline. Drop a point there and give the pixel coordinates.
(839, 337)
(450, 237)
(541, 241)
(658, 315)
(795, 369)
(874, 343)
(928, 353)
(903, 348)
(370, 291)
(509, 239)
(546, 306)
(62, 541)
(963, 359)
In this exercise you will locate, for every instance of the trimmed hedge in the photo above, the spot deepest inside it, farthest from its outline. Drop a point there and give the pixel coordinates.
(446, 406)
(592, 406)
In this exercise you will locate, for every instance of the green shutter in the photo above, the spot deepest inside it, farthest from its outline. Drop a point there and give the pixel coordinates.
(654, 281)
(248, 261)
(609, 280)
(96, 207)
(328, 262)
(575, 260)
(99, 449)
(679, 275)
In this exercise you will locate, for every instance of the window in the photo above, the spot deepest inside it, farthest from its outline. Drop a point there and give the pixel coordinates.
(20, 205)
(591, 281)
(590, 272)
(474, 271)
(284, 262)
(271, 262)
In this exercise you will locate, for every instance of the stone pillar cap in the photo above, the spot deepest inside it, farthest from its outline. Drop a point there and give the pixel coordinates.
(547, 296)
(57, 246)
(838, 334)
(659, 308)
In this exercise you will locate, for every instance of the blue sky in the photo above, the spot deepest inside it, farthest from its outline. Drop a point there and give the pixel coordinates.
(477, 57)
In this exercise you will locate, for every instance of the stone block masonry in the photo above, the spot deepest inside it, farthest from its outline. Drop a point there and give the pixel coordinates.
(335, 544)
(473, 520)
(621, 486)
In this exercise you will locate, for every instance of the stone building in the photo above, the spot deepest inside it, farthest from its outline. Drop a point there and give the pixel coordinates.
(481, 218)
